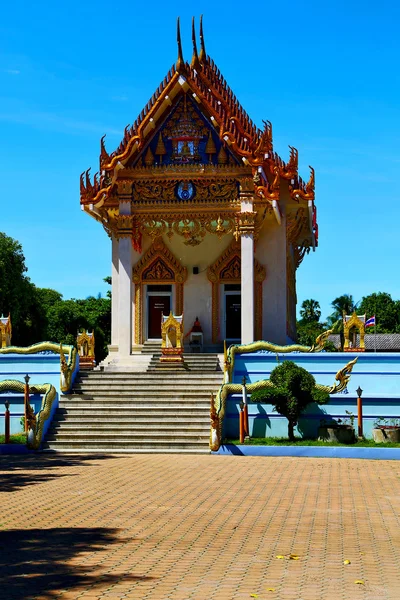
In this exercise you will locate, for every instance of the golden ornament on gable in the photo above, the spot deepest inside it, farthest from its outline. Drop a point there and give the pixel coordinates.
(246, 185)
(158, 271)
(245, 223)
(124, 187)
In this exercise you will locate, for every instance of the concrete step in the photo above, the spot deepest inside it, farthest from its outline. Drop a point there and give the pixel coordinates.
(105, 448)
(203, 391)
(168, 438)
(119, 376)
(162, 382)
(165, 410)
(139, 397)
(133, 424)
(158, 367)
(124, 409)
(146, 385)
(150, 417)
(193, 357)
(131, 411)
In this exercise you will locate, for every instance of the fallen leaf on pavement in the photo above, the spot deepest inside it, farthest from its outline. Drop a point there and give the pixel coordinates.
(346, 562)
(359, 582)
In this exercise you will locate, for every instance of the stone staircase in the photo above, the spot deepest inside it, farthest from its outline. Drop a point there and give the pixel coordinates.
(161, 410)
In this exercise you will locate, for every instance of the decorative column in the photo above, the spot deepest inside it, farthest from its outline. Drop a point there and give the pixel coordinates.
(114, 291)
(245, 230)
(124, 279)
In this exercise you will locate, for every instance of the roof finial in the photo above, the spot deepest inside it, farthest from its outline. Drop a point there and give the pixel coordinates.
(180, 62)
(203, 55)
(195, 57)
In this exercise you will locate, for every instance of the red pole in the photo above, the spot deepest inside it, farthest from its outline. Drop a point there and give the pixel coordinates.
(360, 424)
(26, 401)
(245, 408)
(241, 425)
(7, 425)
(246, 419)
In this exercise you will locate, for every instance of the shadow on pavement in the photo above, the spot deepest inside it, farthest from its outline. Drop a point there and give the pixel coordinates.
(20, 471)
(34, 562)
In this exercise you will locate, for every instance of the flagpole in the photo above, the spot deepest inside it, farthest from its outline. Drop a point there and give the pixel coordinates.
(375, 327)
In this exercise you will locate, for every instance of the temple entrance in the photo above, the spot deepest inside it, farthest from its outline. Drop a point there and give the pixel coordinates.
(158, 301)
(233, 312)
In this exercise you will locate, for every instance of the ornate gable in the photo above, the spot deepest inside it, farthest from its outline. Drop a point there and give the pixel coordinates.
(185, 138)
(159, 264)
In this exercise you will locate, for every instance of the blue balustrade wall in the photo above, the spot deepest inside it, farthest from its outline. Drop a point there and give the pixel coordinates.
(42, 368)
(378, 374)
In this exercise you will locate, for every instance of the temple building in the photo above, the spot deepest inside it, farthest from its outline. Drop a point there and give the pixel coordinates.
(205, 219)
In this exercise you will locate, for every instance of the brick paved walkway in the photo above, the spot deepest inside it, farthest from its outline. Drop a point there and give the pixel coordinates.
(198, 527)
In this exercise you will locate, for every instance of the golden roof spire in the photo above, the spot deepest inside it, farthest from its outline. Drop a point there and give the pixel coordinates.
(180, 62)
(195, 57)
(202, 55)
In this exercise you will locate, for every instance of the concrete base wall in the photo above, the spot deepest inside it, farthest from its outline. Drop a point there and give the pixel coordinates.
(42, 368)
(377, 374)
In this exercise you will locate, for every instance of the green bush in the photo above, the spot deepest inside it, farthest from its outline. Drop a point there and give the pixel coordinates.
(293, 389)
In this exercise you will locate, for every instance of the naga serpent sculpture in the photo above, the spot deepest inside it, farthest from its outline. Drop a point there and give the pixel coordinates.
(67, 365)
(229, 355)
(35, 423)
(217, 409)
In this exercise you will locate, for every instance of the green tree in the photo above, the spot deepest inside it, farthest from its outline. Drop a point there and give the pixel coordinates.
(293, 389)
(47, 297)
(64, 319)
(310, 311)
(96, 313)
(307, 332)
(385, 309)
(17, 293)
(309, 326)
(344, 303)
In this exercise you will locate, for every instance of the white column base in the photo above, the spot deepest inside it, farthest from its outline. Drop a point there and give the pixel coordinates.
(247, 288)
(124, 297)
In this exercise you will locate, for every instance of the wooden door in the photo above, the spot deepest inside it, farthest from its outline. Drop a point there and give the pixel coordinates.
(233, 316)
(156, 306)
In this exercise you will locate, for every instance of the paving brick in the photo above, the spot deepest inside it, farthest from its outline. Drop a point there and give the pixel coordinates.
(198, 527)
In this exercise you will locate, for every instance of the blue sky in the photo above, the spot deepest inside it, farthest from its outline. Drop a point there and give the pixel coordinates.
(327, 77)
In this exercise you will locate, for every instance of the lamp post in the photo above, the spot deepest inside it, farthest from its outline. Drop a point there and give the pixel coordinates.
(26, 401)
(7, 423)
(245, 409)
(359, 392)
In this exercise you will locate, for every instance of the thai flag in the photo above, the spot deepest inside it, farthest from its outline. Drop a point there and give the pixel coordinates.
(370, 322)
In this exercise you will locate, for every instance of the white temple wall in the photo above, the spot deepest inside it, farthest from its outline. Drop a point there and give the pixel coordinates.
(271, 252)
(197, 289)
(114, 291)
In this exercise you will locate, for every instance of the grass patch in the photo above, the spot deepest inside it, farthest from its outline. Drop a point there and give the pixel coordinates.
(271, 441)
(16, 438)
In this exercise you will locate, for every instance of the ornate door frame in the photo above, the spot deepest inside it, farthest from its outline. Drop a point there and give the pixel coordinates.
(227, 269)
(157, 265)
